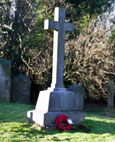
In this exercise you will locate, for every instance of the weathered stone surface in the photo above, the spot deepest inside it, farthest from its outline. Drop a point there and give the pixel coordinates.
(56, 101)
(79, 95)
(21, 89)
(5, 80)
(48, 118)
(60, 27)
(111, 94)
(50, 104)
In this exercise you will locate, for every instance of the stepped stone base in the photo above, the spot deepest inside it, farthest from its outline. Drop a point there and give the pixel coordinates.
(52, 103)
(48, 119)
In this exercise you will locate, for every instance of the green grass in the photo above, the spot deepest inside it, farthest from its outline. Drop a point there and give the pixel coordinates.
(15, 128)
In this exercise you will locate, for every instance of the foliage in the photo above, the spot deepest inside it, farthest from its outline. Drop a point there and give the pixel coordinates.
(112, 41)
(90, 61)
(14, 26)
(90, 7)
(24, 42)
(14, 127)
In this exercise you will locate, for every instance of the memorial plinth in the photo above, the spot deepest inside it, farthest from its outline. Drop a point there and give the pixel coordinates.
(56, 100)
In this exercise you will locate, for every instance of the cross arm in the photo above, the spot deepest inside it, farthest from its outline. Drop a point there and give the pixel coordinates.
(50, 24)
(69, 27)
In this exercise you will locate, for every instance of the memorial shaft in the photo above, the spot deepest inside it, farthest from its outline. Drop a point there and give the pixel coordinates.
(60, 27)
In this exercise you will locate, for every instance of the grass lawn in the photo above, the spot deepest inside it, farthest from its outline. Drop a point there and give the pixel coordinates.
(15, 128)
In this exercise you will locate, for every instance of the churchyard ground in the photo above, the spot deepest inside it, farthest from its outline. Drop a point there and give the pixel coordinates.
(14, 127)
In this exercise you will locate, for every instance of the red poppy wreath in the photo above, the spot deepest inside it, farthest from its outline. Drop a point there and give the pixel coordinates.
(62, 123)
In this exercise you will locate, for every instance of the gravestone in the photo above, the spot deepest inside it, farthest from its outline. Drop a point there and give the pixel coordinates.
(111, 94)
(5, 80)
(21, 89)
(79, 95)
(110, 110)
(56, 100)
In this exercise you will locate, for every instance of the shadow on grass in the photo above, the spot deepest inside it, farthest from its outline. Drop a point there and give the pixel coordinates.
(100, 127)
(96, 127)
(13, 113)
(26, 130)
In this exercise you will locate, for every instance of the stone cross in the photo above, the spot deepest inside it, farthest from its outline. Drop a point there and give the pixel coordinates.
(58, 100)
(60, 27)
